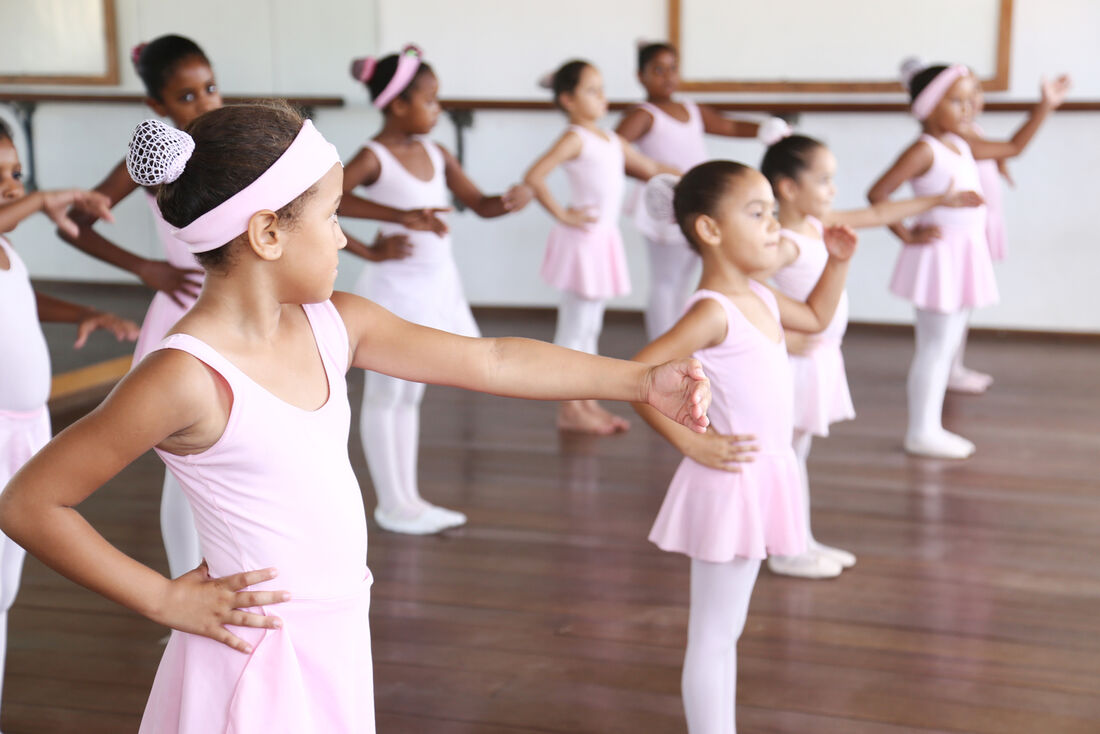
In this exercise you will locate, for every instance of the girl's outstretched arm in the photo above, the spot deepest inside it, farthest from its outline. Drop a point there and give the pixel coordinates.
(156, 274)
(640, 166)
(915, 161)
(885, 213)
(567, 147)
(820, 306)
(363, 170)
(55, 205)
(1054, 94)
(513, 367)
(170, 397)
(52, 309)
(469, 194)
(715, 123)
(704, 325)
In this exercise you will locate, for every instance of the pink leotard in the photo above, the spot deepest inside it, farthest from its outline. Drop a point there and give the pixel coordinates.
(955, 272)
(164, 312)
(277, 489)
(590, 260)
(425, 287)
(674, 143)
(713, 515)
(821, 395)
(24, 369)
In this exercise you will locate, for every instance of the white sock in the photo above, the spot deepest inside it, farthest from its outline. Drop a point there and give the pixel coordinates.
(177, 527)
(937, 342)
(580, 321)
(720, 594)
(11, 571)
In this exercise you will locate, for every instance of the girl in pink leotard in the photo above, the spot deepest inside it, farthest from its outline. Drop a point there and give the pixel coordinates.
(24, 359)
(801, 171)
(724, 510)
(246, 401)
(952, 274)
(671, 131)
(404, 178)
(584, 252)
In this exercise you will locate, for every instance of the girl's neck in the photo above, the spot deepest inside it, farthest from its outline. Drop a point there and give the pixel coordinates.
(791, 218)
(393, 133)
(719, 274)
(587, 124)
(244, 307)
(936, 131)
(658, 100)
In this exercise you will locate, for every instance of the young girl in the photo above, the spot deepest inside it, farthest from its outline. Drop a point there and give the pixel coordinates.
(246, 401)
(671, 131)
(801, 172)
(584, 254)
(180, 85)
(25, 361)
(402, 168)
(952, 274)
(724, 513)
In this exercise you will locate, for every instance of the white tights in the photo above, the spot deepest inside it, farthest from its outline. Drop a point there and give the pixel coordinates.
(11, 570)
(939, 337)
(671, 277)
(389, 425)
(720, 595)
(580, 321)
(177, 526)
(802, 443)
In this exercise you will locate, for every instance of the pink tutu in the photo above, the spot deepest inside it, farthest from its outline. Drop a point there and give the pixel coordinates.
(713, 515)
(313, 676)
(821, 395)
(951, 274)
(589, 262)
(22, 434)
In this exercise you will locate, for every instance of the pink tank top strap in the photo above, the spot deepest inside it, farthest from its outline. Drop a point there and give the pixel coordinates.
(766, 295)
(331, 334)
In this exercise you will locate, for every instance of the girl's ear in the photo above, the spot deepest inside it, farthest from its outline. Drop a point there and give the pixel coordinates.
(156, 106)
(706, 230)
(264, 236)
(787, 189)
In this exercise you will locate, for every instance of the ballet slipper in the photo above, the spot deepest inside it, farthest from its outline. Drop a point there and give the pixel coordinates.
(942, 445)
(969, 381)
(843, 557)
(574, 417)
(428, 521)
(808, 565)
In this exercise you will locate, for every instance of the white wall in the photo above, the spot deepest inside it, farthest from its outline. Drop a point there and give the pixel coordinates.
(287, 47)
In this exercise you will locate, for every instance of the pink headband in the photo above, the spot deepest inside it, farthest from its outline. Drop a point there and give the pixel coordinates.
(931, 95)
(407, 65)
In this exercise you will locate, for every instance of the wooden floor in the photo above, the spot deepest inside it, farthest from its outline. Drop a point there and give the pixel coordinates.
(975, 606)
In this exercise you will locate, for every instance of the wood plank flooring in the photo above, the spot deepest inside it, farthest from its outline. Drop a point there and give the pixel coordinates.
(975, 605)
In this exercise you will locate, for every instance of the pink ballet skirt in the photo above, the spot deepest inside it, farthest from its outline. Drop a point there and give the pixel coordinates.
(276, 490)
(589, 262)
(955, 272)
(22, 434)
(164, 312)
(716, 516)
(821, 395)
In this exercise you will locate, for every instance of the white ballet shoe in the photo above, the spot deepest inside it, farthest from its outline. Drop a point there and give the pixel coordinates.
(843, 557)
(944, 445)
(969, 381)
(427, 521)
(809, 565)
